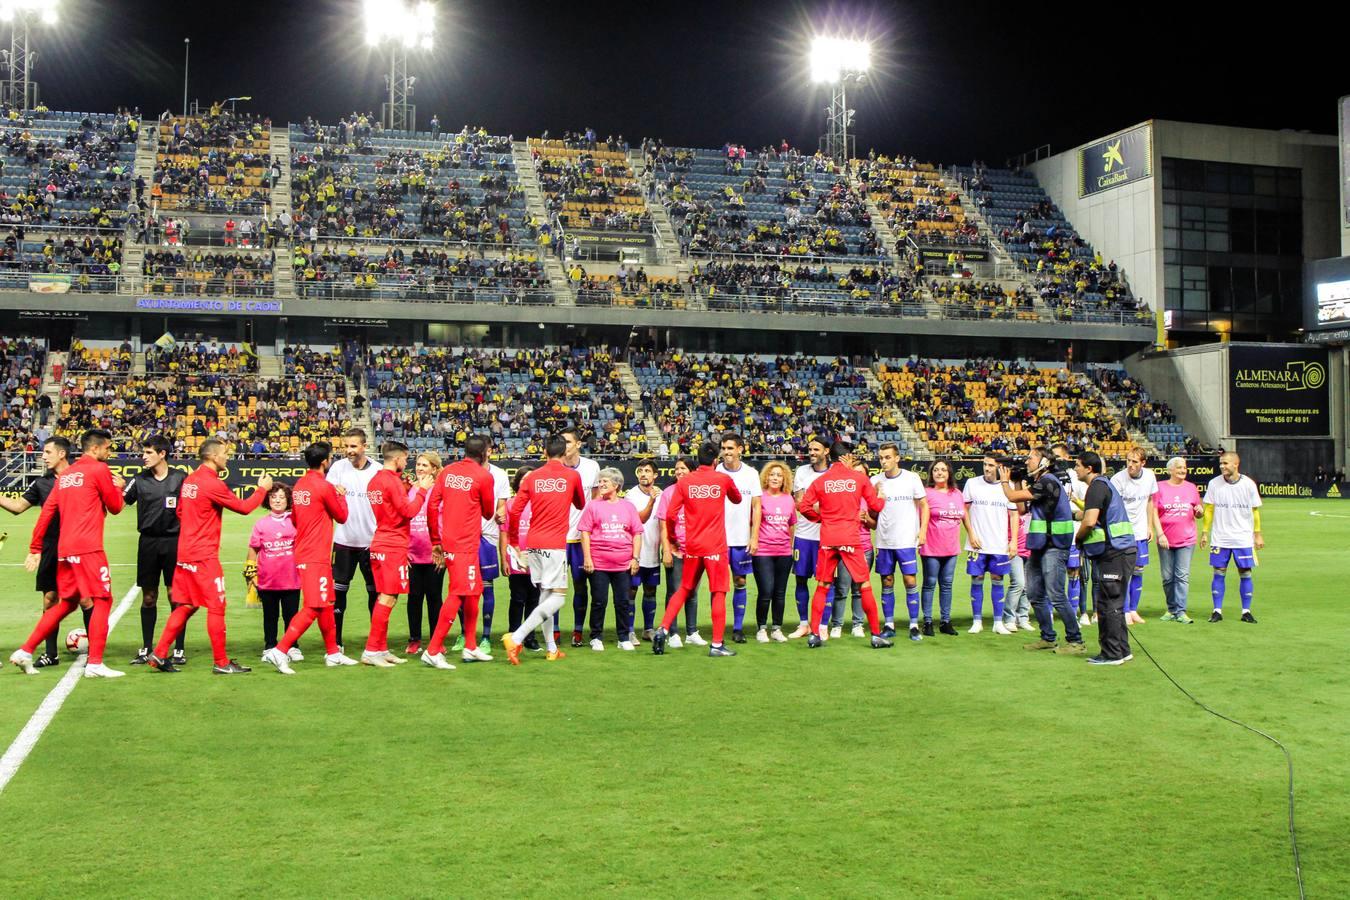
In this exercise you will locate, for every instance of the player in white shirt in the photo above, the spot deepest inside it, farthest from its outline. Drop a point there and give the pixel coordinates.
(351, 539)
(742, 525)
(589, 470)
(991, 543)
(644, 497)
(901, 525)
(806, 540)
(1074, 564)
(1136, 486)
(1232, 528)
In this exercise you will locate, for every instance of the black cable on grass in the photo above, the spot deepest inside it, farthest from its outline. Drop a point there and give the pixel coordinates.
(1289, 760)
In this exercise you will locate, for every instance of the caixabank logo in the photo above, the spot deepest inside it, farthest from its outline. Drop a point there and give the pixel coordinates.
(1297, 375)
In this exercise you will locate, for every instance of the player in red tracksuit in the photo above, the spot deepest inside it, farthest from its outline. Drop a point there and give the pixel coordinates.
(394, 510)
(550, 492)
(84, 494)
(702, 495)
(463, 496)
(199, 580)
(315, 505)
(833, 500)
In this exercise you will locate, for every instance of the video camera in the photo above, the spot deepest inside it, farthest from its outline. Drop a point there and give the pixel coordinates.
(1017, 468)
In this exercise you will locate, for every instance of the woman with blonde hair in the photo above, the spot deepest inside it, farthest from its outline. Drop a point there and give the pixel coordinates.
(773, 555)
(425, 579)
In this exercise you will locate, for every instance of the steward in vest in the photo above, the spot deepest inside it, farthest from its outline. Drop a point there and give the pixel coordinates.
(1107, 537)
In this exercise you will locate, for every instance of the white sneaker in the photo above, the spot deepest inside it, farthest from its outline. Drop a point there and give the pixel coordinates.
(338, 659)
(101, 671)
(295, 655)
(24, 661)
(633, 638)
(837, 631)
(696, 640)
(375, 658)
(1027, 626)
(477, 654)
(674, 642)
(627, 646)
(1084, 619)
(802, 631)
(858, 631)
(777, 636)
(390, 657)
(597, 645)
(1000, 628)
(436, 662)
(280, 660)
(762, 636)
(976, 627)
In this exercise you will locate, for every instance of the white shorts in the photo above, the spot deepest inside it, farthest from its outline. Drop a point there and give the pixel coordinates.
(548, 569)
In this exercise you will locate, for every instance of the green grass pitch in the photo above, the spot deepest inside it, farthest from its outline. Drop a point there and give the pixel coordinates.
(960, 766)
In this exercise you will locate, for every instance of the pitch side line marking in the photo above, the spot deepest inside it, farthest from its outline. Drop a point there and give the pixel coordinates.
(51, 704)
(1326, 515)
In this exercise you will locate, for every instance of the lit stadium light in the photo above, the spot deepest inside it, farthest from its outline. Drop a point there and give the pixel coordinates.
(832, 58)
(411, 25)
(43, 9)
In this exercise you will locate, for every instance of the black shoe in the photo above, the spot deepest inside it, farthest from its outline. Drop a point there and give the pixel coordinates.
(813, 641)
(927, 628)
(913, 634)
(231, 668)
(738, 637)
(160, 665)
(880, 643)
(142, 657)
(179, 658)
(1248, 618)
(1216, 616)
(946, 628)
(659, 642)
(531, 643)
(720, 650)
(888, 631)
(44, 661)
(576, 639)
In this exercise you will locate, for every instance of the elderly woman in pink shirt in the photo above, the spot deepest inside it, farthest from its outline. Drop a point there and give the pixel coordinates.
(1175, 508)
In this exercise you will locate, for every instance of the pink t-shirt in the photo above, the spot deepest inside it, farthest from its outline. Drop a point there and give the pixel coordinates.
(515, 562)
(274, 540)
(1023, 523)
(663, 508)
(419, 539)
(1176, 505)
(945, 509)
(779, 514)
(611, 525)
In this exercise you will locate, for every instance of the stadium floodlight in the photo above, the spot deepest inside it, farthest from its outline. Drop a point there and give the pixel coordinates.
(833, 59)
(19, 89)
(397, 21)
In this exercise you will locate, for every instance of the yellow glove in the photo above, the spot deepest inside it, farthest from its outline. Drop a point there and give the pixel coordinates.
(251, 600)
(251, 571)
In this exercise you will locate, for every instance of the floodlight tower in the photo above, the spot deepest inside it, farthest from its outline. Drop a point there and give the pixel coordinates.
(401, 26)
(19, 89)
(839, 62)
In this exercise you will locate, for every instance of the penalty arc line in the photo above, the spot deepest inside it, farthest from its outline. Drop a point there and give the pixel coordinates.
(23, 744)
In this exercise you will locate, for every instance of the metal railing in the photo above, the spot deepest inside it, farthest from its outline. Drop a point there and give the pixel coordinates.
(881, 258)
(500, 295)
(211, 205)
(809, 304)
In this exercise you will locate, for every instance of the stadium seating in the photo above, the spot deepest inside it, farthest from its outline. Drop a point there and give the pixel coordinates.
(60, 170)
(587, 185)
(191, 357)
(1153, 417)
(209, 273)
(800, 286)
(962, 298)
(21, 366)
(98, 359)
(431, 398)
(86, 262)
(627, 287)
(420, 274)
(971, 407)
(775, 403)
(216, 163)
(917, 205)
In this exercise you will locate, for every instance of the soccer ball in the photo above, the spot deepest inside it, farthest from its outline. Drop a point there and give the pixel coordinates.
(77, 641)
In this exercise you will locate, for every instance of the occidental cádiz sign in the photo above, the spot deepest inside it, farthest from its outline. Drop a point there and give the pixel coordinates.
(199, 305)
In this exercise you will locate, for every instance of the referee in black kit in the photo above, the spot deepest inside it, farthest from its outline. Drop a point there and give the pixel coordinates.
(154, 490)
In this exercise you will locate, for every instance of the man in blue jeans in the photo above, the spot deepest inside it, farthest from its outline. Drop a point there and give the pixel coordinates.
(1049, 537)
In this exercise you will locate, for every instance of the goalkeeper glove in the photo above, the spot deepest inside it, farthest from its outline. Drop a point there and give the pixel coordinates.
(250, 570)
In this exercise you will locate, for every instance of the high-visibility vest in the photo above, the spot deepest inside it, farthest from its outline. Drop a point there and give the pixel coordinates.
(1057, 531)
(1116, 531)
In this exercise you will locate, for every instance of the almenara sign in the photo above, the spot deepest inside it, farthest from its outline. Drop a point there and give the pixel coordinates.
(1118, 160)
(1278, 390)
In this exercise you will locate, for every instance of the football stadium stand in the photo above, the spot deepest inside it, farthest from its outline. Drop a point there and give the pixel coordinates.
(204, 272)
(589, 185)
(88, 263)
(22, 361)
(1154, 418)
(69, 170)
(420, 273)
(216, 163)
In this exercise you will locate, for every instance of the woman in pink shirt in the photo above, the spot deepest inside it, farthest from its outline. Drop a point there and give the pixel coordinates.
(672, 557)
(1175, 508)
(611, 542)
(425, 579)
(941, 545)
(773, 556)
(271, 548)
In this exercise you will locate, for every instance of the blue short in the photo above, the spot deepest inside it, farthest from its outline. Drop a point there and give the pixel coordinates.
(994, 563)
(576, 559)
(1141, 553)
(907, 558)
(742, 563)
(1075, 560)
(650, 576)
(1243, 556)
(804, 554)
(489, 560)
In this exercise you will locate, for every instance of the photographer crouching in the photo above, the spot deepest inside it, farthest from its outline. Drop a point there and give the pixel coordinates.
(1043, 483)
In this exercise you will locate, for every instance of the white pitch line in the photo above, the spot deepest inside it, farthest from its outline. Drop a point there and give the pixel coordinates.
(1323, 515)
(23, 744)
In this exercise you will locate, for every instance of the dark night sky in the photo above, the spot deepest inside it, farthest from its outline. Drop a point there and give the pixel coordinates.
(956, 80)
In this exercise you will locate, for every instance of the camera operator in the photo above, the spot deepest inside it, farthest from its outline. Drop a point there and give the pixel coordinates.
(1049, 537)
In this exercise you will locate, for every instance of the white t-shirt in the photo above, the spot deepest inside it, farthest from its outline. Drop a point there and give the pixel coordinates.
(738, 514)
(801, 480)
(1233, 527)
(359, 528)
(651, 531)
(589, 470)
(501, 490)
(988, 507)
(1137, 495)
(898, 522)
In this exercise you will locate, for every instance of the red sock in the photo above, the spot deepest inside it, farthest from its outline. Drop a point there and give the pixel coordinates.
(449, 610)
(215, 630)
(470, 622)
(818, 605)
(299, 622)
(98, 631)
(49, 622)
(177, 622)
(869, 605)
(327, 628)
(673, 607)
(378, 639)
(719, 616)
